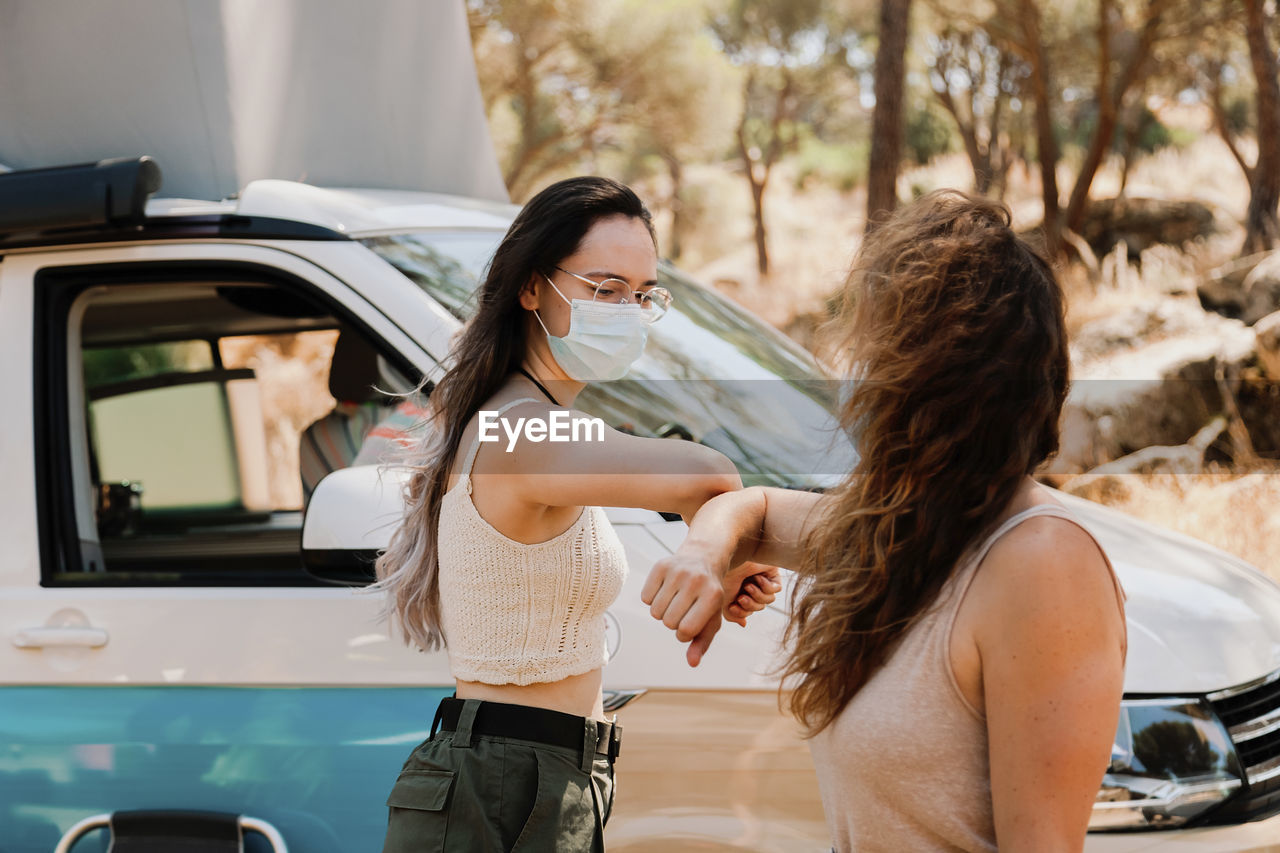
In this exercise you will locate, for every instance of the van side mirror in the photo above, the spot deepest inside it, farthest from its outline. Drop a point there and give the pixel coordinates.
(351, 517)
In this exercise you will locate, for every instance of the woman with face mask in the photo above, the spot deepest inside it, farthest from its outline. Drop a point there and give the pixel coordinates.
(505, 557)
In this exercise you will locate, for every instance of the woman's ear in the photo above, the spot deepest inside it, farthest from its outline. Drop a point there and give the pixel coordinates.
(529, 295)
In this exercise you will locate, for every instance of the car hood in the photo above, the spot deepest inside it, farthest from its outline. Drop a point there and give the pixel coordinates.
(1199, 619)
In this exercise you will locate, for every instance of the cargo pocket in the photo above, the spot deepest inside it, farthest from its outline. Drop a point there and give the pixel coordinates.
(418, 817)
(563, 819)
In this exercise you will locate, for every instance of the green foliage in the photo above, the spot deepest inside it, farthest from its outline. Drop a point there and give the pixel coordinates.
(766, 31)
(1151, 134)
(928, 134)
(566, 81)
(104, 365)
(1182, 137)
(1239, 112)
(843, 166)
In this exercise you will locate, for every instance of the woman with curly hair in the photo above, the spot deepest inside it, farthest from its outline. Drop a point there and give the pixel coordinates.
(957, 642)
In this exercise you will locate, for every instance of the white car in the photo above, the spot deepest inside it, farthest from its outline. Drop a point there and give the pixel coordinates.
(167, 649)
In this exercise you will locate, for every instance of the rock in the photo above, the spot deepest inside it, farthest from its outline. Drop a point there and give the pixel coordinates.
(1144, 378)
(1223, 290)
(1107, 483)
(1261, 290)
(1157, 319)
(1267, 333)
(1143, 222)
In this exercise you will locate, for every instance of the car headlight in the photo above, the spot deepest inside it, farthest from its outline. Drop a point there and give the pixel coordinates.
(1172, 761)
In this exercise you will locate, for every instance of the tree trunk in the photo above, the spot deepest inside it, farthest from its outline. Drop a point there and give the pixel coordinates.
(757, 185)
(1130, 143)
(530, 144)
(997, 156)
(1110, 99)
(762, 245)
(983, 174)
(979, 159)
(888, 125)
(1103, 133)
(674, 240)
(1046, 144)
(1262, 231)
(1222, 124)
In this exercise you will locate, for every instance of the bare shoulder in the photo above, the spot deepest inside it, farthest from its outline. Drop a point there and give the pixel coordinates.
(1047, 576)
(502, 433)
(486, 460)
(1044, 554)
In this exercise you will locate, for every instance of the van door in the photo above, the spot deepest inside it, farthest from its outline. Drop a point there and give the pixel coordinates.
(163, 647)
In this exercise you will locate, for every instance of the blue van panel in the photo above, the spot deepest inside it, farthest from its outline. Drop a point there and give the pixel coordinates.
(317, 762)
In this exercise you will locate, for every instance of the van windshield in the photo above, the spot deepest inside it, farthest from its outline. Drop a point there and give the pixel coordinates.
(711, 371)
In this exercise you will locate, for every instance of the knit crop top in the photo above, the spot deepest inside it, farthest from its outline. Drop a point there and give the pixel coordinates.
(516, 613)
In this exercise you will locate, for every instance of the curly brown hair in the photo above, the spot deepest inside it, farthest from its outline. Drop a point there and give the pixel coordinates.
(954, 327)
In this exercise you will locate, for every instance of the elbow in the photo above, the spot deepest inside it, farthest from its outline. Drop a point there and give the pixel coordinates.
(711, 474)
(718, 474)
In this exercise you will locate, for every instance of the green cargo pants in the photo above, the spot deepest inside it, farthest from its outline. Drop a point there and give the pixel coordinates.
(460, 791)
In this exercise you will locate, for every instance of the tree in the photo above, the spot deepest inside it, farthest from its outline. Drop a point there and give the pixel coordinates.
(540, 101)
(1211, 69)
(974, 78)
(1037, 57)
(684, 101)
(1114, 43)
(782, 48)
(1262, 231)
(1226, 48)
(565, 80)
(1111, 94)
(888, 120)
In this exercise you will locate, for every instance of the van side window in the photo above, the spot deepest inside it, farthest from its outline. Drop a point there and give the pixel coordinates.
(186, 408)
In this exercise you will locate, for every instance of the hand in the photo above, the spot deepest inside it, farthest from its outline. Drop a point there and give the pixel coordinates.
(752, 593)
(685, 592)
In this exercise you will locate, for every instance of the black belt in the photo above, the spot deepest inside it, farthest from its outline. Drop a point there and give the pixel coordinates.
(528, 723)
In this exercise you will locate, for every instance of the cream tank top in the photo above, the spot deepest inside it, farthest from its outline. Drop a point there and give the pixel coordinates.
(904, 766)
(515, 613)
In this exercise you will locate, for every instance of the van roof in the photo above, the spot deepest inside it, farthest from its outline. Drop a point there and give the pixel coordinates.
(361, 212)
(265, 209)
(352, 212)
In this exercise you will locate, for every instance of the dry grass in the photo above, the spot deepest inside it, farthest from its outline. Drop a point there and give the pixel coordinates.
(1234, 511)
(814, 234)
(293, 374)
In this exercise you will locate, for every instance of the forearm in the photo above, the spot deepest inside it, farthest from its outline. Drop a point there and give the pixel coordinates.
(726, 530)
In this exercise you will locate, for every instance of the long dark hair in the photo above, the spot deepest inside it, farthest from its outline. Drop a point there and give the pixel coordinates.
(492, 345)
(954, 327)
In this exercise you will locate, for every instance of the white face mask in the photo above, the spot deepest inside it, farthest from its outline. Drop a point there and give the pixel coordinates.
(603, 342)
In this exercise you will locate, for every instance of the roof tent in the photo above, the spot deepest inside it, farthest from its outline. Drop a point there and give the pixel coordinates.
(379, 94)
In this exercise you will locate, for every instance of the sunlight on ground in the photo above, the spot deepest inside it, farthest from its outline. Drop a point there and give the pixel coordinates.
(1235, 512)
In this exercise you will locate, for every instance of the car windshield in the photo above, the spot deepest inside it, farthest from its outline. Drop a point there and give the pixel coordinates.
(711, 371)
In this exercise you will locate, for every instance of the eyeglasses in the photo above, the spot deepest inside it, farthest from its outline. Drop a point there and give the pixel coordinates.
(655, 300)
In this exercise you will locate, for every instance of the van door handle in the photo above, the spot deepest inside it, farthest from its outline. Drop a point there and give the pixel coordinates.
(44, 638)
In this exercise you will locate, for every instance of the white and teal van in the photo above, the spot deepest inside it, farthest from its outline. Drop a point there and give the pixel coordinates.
(177, 633)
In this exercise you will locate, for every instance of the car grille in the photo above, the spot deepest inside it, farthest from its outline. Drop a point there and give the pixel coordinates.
(1251, 714)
